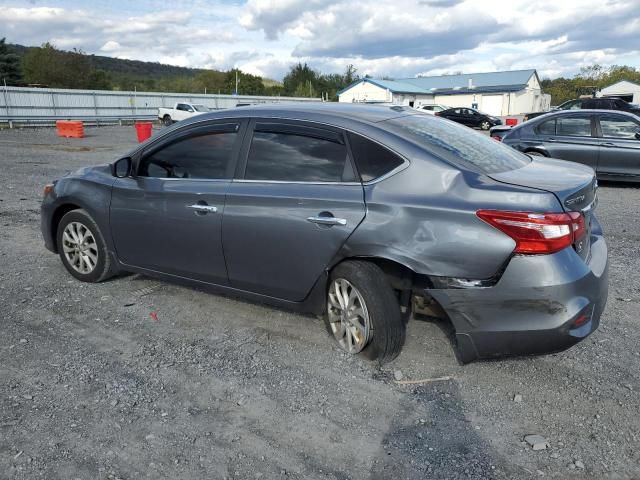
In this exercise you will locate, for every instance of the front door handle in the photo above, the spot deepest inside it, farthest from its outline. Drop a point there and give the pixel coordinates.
(551, 139)
(199, 208)
(322, 220)
(607, 144)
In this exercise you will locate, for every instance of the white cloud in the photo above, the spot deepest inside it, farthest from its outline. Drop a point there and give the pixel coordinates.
(383, 38)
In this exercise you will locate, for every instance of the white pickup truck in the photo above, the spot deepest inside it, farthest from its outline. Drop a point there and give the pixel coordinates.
(180, 111)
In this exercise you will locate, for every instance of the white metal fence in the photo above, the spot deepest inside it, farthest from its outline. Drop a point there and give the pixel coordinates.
(45, 105)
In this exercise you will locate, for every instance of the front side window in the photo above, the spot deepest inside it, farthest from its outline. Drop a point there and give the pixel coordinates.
(457, 143)
(618, 127)
(294, 157)
(574, 126)
(204, 156)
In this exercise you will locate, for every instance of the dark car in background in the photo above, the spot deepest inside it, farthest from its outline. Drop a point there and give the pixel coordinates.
(357, 213)
(607, 141)
(470, 117)
(602, 103)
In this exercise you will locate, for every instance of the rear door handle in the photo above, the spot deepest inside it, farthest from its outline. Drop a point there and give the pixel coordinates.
(551, 139)
(607, 144)
(327, 220)
(203, 208)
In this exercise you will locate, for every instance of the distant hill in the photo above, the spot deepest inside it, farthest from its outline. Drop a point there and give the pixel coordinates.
(132, 68)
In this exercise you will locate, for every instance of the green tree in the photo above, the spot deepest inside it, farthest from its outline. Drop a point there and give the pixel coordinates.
(52, 67)
(9, 65)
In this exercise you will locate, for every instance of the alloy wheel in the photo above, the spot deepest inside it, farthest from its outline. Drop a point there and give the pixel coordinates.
(80, 248)
(348, 316)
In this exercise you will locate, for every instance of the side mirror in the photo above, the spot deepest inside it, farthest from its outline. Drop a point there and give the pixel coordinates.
(121, 168)
(190, 110)
(637, 135)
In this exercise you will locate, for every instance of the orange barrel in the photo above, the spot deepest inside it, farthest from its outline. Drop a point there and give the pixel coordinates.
(143, 131)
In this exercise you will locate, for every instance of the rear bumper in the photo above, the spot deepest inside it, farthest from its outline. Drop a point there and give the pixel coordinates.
(534, 306)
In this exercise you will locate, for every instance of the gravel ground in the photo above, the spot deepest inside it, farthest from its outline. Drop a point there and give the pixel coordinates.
(92, 386)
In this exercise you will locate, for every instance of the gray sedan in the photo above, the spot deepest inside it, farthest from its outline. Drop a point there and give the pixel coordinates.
(607, 141)
(361, 214)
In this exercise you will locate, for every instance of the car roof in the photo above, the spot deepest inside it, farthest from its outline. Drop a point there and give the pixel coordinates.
(564, 113)
(331, 112)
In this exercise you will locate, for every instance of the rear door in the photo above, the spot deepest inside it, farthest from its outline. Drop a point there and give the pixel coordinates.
(295, 201)
(168, 217)
(619, 146)
(574, 138)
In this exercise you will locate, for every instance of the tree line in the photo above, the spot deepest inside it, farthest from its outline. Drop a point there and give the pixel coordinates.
(48, 66)
(51, 67)
(590, 80)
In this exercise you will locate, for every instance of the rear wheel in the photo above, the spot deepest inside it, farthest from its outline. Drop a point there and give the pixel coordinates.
(166, 120)
(82, 248)
(363, 314)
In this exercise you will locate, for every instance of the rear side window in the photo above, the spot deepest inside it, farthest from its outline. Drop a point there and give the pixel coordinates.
(294, 157)
(574, 126)
(372, 159)
(456, 143)
(205, 156)
(547, 128)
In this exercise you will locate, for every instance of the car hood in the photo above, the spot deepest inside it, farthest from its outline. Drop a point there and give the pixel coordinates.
(573, 184)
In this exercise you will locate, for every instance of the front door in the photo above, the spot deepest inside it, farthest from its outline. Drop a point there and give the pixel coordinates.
(168, 217)
(296, 201)
(619, 145)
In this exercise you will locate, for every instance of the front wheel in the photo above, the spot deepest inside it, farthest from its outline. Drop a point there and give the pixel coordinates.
(485, 125)
(166, 120)
(82, 248)
(363, 314)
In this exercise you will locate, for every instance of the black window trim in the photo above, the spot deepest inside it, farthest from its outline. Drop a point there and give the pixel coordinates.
(613, 114)
(193, 130)
(295, 127)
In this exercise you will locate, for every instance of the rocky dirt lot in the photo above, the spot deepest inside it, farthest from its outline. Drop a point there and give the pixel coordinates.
(135, 378)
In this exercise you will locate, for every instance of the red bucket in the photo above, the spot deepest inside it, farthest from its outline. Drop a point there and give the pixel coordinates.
(512, 122)
(143, 130)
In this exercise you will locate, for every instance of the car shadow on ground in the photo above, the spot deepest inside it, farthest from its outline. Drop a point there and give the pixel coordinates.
(431, 437)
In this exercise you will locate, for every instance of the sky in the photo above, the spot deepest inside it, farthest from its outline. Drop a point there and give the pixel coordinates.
(398, 38)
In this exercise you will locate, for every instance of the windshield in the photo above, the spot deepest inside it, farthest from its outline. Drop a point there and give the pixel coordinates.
(201, 108)
(456, 143)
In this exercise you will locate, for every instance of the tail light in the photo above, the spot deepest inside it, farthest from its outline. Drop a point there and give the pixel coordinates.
(48, 188)
(497, 138)
(537, 233)
(437, 114)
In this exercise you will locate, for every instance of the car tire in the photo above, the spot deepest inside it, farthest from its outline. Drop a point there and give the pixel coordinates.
(166, 120)
(379, 333)
(82, 248)
(485, 125)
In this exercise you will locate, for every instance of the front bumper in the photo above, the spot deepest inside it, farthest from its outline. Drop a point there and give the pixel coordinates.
(534, 306)
(46, 216)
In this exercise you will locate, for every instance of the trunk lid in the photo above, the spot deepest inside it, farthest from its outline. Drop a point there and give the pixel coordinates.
(573, 184)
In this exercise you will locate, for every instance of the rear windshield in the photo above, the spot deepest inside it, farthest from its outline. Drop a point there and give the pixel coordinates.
(456, 143)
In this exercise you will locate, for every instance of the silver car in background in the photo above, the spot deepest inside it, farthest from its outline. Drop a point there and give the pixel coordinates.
(605, 140)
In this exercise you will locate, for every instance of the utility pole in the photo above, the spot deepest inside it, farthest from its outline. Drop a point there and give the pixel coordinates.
(6, 99)
(236, 81)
